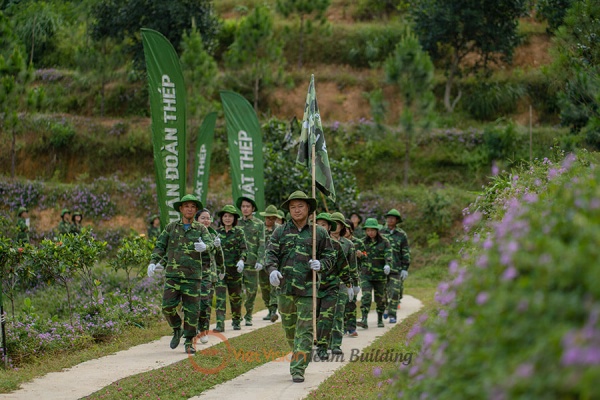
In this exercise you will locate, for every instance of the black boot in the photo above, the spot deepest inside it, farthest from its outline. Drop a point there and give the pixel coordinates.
(363, 322)
(380, 320)
(177, 333)
(268, 317)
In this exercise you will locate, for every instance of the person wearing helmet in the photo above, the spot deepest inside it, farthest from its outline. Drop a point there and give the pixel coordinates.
(154, 226)
(376, 267)
(181, 244)
(23, 225)
(269, 293)
(234, 253)
(76, 222)
(64, 226)
(401, 261)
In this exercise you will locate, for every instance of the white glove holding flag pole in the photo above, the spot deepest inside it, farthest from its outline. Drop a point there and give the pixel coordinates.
(356, 290)
(275, 278)
(151, 269)
(200, 246)
(386, 269)
(350, 294)
(403, 274)
(258, 266)
(240, 266)
(217, 241)
(315, 265)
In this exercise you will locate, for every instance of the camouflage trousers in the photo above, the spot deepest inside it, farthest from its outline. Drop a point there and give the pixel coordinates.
(378, 287)
(337, 332)
(250, 278)
(350, 316)
(395, 287)
(187, 292)
(207, 292)
(326, 302)
(232, 283)
(296, 319)
(267, 291)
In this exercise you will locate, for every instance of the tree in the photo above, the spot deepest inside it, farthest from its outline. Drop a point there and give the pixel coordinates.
(255, 50)
(411, 70)
(576, 68)
(452, 30)
(553, 11)
(304, 9)
(124, 19)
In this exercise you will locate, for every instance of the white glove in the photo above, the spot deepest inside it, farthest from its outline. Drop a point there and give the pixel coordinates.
(386, 269)
(274, 278)
(356, 289)
(350, 294)
(221, 277)
(403, 274)
(200, 246)
(240, 266)
(258, 266)
(151, 269)
(27, 222)
(217, 241)
(315, 265)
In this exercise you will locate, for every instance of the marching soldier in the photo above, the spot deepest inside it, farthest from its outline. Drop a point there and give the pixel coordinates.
(234, 253)
(64, 226)
(289, 264)
(376, 267)
(269, 293)
(401, 261)
(357, 221)
(153, 227)
(359, 253)
(182, 243)
(22, 225)
(254, 231)
(76, 222)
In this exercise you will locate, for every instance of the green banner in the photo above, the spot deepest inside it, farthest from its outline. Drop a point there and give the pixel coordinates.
(245, 148)
(167, 107)
(206, 135)
(312, 133)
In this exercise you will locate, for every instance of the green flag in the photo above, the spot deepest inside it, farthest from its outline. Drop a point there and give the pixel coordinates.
(312, 133)
(245, 148)
(203, 151)
(167, 107)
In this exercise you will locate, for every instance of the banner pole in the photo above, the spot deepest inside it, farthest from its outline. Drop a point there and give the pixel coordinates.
(314, 244)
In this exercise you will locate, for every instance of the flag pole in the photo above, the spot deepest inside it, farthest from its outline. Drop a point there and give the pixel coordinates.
(314, 241)
(3, 327)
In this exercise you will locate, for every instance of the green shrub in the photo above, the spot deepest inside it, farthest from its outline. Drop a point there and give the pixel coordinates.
(487, 100)
(61, 135)
(523, 301)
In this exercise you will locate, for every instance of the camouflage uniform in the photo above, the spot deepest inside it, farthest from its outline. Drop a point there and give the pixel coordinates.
(22, 228)
(289, 251)
(254, 231)
(328, 297)
(379, 254)
(212, 266)
(153, 232)
(351, 272)
(401, 261)
(269, 293)
(183, 272)
(64, 227)
(350, 311)
(234, 248)
(76, 226)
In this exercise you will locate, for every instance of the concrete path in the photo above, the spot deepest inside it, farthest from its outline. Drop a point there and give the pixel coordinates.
(272, 381)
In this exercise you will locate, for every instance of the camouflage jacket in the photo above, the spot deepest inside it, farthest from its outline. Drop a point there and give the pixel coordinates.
(64, 227)
(22, 231)
(340, 271)
(153, 232)
(75, 229)
(359, 232)
(254, 231)
(212, 261)
(400, 249)
(289, 251)
(234, 245)
(177, 245)
(268, 233)
(379, 254)
(350, 252)
(358, 246)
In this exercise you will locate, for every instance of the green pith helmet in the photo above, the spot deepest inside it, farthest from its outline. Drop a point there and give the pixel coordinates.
(300, 195)
(288, 216)
(238, 202)
(281, 214)
(152, 218)
(394, 213)
(270, 211)
(21, 210)
(65, 211)
(325, 216)
(371, 223)
(75, 214)
(339, 218)
(229, 209)
(187, 197)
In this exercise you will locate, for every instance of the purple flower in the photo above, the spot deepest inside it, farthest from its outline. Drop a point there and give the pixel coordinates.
(377, 372)
(509, 274)
(482, 298)
(524, 370)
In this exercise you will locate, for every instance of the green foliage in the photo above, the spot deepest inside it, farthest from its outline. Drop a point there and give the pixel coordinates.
(523, 295)
(487, 100)
(378, 9)
(61, 135)
(436, 212)
(500, 141)
(553, 11)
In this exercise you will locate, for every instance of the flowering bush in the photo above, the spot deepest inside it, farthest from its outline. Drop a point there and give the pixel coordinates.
(520, 317)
